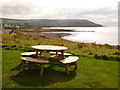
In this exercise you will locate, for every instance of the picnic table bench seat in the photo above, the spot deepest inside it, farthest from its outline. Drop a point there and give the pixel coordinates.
(71, 60)
(27, 54)
(59, 53)
(30, 59)
(34, 60)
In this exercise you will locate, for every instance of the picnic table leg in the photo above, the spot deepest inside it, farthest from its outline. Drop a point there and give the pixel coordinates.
(30, 64)
(62, 54)
(40, 54)
(23, 65)
(36, 55)
(66, 67)
(42, 69)
(56, 53)
(75, 65)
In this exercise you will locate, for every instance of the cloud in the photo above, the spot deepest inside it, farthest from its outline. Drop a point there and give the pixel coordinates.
(13, 9)
(105, 16)
(28, 10)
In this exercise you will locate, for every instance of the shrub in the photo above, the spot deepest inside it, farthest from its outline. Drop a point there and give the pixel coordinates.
(90, 53)
(104, 57)
(116, 53)
(96, 56)
(4, 45)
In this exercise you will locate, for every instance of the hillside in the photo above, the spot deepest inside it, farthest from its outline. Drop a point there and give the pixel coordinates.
(52, 22)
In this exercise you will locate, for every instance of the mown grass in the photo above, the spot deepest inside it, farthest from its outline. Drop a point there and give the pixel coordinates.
(91, 73)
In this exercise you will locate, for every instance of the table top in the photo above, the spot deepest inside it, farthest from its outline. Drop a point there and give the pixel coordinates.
(49, 47)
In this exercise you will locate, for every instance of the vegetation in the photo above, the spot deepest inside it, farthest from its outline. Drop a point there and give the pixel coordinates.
(97, 64)
(91, 73)
(51, 23)
(20, 41)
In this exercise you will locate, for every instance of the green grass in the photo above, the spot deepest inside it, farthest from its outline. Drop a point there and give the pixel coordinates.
(24, 42)
(97, 65)
(91, 73)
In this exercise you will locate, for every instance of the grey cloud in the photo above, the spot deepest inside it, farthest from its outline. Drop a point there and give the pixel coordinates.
(16, 8)
(102, 11)
(87, 12)
(82, 13)
(27, 10)
(105, 16)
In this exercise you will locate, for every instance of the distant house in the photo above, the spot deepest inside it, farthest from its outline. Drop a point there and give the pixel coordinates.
(7, 25)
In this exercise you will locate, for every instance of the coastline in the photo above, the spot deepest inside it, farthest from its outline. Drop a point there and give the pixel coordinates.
(55, 36)
(23, 41)
(48, 33)
(45, 33)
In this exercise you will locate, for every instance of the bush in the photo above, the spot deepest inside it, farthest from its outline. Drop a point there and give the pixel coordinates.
(4, 45)
(90, 53)
(104, 57)
(96, 56)
(116, 53)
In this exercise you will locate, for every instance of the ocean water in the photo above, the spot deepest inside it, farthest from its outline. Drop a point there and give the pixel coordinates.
(98, 35)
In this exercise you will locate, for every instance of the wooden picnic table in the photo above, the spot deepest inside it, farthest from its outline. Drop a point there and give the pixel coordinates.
(41, 48)
(59, 50)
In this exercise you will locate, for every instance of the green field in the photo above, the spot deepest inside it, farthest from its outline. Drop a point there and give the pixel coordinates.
(24, 42)
(97, 65)
(91, 73)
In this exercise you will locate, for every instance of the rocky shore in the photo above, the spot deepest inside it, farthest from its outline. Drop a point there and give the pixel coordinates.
(56, 36)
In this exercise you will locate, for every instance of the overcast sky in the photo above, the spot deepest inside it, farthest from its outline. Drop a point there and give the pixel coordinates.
(104, 12)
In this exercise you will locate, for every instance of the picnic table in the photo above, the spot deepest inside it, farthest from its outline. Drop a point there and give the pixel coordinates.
(39, 59)
(41, 48)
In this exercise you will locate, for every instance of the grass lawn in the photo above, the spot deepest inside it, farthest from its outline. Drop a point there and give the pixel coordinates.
(91, 73)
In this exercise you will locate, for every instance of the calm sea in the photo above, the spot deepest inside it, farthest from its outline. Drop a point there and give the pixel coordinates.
(98, 35)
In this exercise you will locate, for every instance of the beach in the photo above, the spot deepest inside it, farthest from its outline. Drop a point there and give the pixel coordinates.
(46, 33)
(56, 36)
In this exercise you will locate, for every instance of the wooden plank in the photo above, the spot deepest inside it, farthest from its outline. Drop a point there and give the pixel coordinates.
(42, 69)
(30, 59)
(34, 60)
(59, 53)
(70, 59)
(28, 53)
(67, 68)
(23, 65)
(49, 47)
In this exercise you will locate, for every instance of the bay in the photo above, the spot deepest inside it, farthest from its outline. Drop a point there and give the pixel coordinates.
(98, 35)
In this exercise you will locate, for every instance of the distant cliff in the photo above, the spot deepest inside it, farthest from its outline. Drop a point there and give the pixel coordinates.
(51, 22)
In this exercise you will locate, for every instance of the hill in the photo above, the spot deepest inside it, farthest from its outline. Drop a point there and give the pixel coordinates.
(52, 22)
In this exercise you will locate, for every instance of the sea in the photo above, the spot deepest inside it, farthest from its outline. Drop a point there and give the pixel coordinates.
(98, 35)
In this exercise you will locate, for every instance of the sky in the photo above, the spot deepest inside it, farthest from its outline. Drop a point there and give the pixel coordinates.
(104, 12)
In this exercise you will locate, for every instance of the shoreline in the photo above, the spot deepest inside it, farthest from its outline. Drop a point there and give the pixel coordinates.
(55, 36)
(50, 35)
